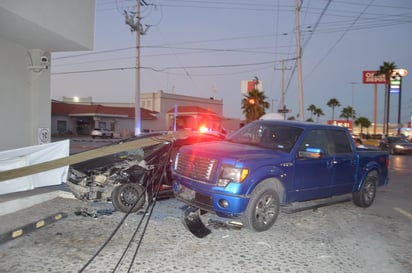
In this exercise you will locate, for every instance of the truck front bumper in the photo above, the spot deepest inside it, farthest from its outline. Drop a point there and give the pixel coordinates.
(222, 204)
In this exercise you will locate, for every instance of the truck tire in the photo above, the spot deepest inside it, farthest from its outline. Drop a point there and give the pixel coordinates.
(366, 195)
(263, 208)
(125, 196)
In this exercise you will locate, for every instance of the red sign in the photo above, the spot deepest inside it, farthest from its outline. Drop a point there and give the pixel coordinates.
(341, 123)
(369, 77)
(251, 85)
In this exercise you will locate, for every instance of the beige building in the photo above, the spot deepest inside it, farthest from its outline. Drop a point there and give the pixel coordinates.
(158, 110)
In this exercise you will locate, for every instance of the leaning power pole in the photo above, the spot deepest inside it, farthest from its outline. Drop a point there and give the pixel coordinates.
(299, 61)
(283, 108)
(136, 26)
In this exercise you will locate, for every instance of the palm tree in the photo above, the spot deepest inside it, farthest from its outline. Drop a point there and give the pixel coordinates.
(387, 69)
(348, 113)
(363, 123)
(254, 105)
(311, 109)
(318, 112)
(333, 103)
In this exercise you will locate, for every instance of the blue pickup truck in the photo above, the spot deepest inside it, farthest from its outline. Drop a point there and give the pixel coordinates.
(272, 163)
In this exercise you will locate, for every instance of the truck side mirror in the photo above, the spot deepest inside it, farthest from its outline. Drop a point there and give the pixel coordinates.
(310, 152)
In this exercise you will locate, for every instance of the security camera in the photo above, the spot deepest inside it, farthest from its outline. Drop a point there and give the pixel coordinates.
(44, 60)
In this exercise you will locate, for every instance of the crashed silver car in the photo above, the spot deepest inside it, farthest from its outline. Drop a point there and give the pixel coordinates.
(130, 179)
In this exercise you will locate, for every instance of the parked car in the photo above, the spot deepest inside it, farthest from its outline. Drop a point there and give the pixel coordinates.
(101, 132)
(129, 179)
(400, 146)
(395, 145)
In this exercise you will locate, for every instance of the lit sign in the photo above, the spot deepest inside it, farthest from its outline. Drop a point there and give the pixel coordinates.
(395, 85)
(371, 77)
(341, 123)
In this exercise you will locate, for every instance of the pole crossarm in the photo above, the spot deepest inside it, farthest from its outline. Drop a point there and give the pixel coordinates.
(91, 154)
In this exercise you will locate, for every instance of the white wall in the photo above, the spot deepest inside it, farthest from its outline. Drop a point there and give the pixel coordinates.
(28, 31)
(14, 96)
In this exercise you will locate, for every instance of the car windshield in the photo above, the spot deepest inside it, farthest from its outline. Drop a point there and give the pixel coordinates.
(267, 135)
(400, 141)
(393, 139)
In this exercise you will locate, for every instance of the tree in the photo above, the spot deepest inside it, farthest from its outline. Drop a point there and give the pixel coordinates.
(254, 105)
(363, 123)
(318, 112)
(309, 120)
(386, 69)
(311, 108)
(333, 103)
(348, 113)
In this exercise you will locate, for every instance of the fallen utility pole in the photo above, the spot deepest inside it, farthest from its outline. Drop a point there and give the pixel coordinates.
(91, 154)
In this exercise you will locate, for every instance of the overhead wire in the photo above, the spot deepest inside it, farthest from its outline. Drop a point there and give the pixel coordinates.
(340, 38)
(372, 22)
(157, 174)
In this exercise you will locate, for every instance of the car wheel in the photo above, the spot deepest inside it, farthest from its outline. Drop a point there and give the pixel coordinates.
(366, 195)
(263, 208)
(128, 197)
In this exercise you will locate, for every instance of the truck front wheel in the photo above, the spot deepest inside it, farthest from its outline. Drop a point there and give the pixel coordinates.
(128, 197)
(365, 196)
(263, 208)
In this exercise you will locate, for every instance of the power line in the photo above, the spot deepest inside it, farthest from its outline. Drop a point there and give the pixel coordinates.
(340, 38)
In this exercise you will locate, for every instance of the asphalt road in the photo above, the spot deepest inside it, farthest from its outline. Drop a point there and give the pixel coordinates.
(336, 238)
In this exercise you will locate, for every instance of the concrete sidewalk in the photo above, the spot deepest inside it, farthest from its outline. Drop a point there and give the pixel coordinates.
(19, 215)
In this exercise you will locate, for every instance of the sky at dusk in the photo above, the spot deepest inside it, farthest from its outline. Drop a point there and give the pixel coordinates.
(206, 48)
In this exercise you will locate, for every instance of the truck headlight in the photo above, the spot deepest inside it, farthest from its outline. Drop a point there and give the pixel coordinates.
(230, 174)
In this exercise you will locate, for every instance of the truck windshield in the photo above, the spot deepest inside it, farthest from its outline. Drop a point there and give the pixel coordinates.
(267, 135)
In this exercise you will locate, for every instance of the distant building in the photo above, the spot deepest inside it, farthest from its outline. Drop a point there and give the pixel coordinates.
(81, 119)
(81, 115)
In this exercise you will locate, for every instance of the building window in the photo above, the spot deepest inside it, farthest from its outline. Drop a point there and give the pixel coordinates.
(61, 126)
(102, 125)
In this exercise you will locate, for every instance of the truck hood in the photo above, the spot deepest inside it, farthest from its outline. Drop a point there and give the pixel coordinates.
(221, 149)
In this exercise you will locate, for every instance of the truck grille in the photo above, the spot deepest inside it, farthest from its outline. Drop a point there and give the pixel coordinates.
(198, 168)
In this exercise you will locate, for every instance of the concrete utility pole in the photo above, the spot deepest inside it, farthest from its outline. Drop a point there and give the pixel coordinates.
(299, 61)
(137, 126)
(283, 105)
(138, 28)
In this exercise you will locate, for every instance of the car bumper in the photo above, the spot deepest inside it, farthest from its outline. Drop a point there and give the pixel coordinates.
(403, 151)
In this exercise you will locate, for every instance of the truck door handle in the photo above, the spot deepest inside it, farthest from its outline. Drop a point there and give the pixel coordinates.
(331, 163)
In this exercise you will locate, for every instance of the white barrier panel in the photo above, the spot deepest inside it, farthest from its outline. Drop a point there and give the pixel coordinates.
(27, 156)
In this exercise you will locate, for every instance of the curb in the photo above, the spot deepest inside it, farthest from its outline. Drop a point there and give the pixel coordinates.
(24, 202)
(18, 232)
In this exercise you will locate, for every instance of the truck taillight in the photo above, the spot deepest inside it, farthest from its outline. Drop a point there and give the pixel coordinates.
(203, 129)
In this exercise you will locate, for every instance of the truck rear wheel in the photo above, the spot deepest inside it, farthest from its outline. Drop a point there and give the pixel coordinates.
(263, 208)
(125, 196)
(366, 195)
